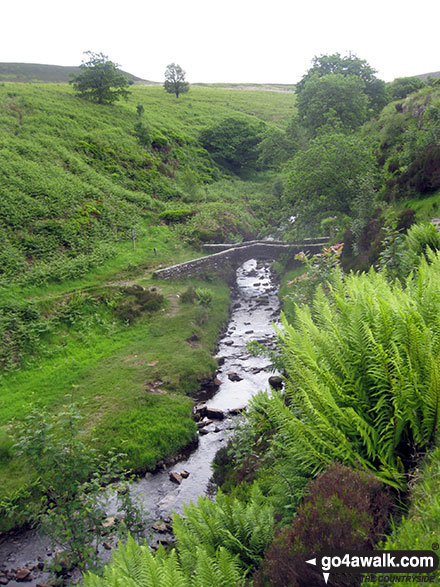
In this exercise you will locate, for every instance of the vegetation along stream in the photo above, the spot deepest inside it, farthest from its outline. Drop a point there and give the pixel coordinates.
(255, 308)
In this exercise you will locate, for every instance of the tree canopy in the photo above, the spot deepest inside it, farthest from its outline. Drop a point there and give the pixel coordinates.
(175, 80)
(233, 142)
(330, 177)
(332, 99)
(402, 86)
(100, 80)
(349, 65)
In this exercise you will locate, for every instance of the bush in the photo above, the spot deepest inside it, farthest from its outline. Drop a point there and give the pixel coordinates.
(345, 509)
(71, 479)
(143, 134)
(361, 375)
(188, 296)
(176, 215)
(137, 300)
(204, 296)
(233, 142)
(422, 237)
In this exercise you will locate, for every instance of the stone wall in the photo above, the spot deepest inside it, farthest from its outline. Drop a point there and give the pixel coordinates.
(234, 256)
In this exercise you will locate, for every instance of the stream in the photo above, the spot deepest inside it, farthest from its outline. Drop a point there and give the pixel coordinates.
(255, 308)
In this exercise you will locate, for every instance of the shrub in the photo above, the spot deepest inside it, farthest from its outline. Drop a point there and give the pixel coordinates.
(143, 134)
(422, 237)
(188, 296)
(233, 142)
(136, 566)
(71, 479)
(204, 296)
(176, 215)
(244, 529)
(345, 509)
(362, 371)
(137, 300)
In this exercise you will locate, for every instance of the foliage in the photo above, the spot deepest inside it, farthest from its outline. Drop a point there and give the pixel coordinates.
(402, 86)
(99, 80)
(349, 65)
(176, 215)
(362, 375)
(408, 153)
(204, 296)
(244, 529)
(143, 134)
(137, 300)
(344, 509)
(332, 99)
(217, 543)
(175, 80)
(318, 271)
(328, 178)
(422, 237)
(418, 528)
(274, 148)
(135, 566)
(233, 142)
(188, 296)
(72, 479)
(401, 253)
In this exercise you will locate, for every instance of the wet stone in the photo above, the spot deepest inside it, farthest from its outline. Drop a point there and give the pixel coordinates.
(23, 575)
(232, 376)
(175, 478)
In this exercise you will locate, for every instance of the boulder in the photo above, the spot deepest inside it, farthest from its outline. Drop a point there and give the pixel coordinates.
(236, 411)
(200, 410)
(175, 477)
(232, 376)
(160, 527)
(184, 474)
(215, 414)
(276, 382)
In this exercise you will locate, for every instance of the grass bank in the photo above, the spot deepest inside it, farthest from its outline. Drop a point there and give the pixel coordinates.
(132, 371)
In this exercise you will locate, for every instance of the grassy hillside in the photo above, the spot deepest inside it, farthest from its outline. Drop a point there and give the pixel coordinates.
(83, 177)
(39, 72)
(80, 316)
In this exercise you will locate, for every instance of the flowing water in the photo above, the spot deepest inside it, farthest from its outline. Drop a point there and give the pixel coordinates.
(255, 308)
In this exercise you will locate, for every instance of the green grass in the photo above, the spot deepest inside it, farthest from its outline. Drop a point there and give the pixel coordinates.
(126, 264)
(74, 181)
(426, 208)
(133, 382)
(74, 178)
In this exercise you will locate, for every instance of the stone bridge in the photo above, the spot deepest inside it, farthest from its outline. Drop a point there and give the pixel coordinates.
(233, 255)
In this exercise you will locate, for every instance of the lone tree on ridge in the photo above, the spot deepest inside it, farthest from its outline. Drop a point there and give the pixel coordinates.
(175, 80)
(100, 80)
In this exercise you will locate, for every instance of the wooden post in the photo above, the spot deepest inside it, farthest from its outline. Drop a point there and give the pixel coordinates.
(132, 237)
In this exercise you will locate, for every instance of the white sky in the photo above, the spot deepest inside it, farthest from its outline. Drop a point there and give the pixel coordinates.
(269, 41)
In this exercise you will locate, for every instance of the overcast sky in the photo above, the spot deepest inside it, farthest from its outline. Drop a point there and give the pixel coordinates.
(225, 40)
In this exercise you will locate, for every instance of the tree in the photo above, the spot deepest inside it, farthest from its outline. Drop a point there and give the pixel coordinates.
(332, 99)
(233, 142)
(175, 80)
(349, 65)
(100, 81)
(329, 178)
(402, 86)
